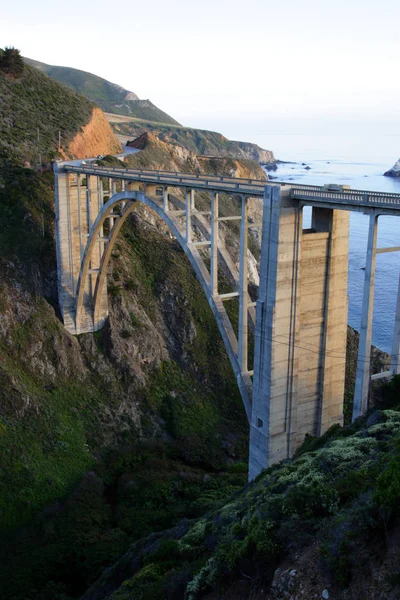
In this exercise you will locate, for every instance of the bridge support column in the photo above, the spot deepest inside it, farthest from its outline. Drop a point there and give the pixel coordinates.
(301, 328)
(76, 209)
(214, 245)
(260, 417)
(363, 374)
(165, 198)
(395, 357)
(188, 216)
(243, 289)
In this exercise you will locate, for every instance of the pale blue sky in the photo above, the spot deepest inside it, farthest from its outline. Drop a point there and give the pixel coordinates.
(221, 61)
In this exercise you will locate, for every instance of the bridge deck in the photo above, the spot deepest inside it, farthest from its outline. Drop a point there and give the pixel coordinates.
(230, 185)
(346, 199)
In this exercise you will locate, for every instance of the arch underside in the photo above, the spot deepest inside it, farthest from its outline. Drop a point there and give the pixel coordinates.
(89, 298)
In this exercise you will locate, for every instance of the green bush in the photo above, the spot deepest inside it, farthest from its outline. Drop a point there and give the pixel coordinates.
(11, 61)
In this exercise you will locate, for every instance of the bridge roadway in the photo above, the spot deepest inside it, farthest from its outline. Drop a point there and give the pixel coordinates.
(347, 199)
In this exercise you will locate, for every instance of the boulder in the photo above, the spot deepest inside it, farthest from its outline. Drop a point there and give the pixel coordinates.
(394, 171)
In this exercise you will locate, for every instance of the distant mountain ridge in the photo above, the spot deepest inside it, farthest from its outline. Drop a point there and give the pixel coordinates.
(110, 97)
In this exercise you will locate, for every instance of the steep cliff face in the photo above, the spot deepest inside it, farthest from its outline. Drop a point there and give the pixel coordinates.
(95, 138)
(255, 152)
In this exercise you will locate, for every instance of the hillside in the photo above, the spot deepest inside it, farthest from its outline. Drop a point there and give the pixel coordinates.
(323, 525)
(29, 137)
(109, 96)
(199, 141)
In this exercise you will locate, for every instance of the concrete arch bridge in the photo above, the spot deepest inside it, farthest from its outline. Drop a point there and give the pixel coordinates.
(296, 385)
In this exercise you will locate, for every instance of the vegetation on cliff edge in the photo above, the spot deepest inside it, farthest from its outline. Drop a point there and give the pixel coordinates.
(33, 111)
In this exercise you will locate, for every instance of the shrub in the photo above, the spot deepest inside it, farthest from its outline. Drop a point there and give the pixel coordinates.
(11, 61)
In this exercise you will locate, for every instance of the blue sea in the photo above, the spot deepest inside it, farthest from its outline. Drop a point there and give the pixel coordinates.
(358, 161)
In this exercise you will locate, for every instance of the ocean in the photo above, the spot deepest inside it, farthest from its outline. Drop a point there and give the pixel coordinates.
(358, 161)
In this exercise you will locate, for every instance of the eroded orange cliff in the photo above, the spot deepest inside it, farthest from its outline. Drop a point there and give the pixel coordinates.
(96, 137)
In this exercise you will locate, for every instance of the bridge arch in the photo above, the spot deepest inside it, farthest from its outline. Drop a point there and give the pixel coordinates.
(128, 199)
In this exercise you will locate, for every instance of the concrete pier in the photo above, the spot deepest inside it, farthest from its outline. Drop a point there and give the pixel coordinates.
(301, 328)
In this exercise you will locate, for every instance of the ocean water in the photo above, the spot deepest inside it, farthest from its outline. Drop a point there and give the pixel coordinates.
(358, 161)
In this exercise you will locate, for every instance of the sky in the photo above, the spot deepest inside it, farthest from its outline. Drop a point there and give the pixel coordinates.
(217, 62)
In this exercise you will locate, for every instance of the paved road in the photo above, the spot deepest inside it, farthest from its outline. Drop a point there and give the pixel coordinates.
(79, 161)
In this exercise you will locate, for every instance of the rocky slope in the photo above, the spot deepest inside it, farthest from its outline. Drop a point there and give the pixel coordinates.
(109, 96)
(199, 141)
(95, 138)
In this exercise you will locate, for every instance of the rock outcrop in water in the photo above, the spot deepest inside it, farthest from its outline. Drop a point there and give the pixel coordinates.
(394, 171)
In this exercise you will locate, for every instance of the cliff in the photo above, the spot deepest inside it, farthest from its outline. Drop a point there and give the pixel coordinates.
(255, 152)
(96, 137)
(199, 141)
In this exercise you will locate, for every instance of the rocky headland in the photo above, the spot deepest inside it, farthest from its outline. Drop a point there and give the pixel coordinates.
(394, 171)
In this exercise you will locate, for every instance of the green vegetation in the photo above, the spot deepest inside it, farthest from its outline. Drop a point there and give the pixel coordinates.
(25, 135)
(26, 209)
(11, 62)
(341, 494)
(109, 96)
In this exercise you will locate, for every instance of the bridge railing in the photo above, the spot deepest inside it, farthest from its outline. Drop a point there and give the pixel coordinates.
(193, 175)
(234, 186)
(355, 197)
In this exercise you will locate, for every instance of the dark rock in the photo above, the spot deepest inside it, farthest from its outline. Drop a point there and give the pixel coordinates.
(270, 166)
(307, 168)
(394, 171)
